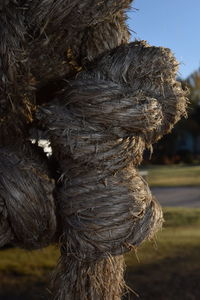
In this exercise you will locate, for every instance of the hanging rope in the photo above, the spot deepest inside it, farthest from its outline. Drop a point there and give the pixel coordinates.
(104, 102)
(99, 127)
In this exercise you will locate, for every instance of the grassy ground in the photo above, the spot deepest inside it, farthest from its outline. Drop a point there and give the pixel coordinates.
(174, 175)
(166, 269)
(169, 270)
(25, 274)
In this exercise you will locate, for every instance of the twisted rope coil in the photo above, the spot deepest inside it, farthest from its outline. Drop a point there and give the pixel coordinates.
(41, 42)
(27, 210)
(99, 128)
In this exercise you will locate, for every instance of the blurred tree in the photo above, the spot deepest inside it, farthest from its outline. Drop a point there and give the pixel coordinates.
(183, 144)
(193, 82)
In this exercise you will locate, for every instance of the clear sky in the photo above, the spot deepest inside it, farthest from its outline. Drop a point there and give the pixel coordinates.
(174, 24)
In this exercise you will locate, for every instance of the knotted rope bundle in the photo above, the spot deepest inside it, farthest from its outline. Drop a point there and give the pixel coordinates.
(43, 41)
(13, 93)
(27, 211)
(99, 128)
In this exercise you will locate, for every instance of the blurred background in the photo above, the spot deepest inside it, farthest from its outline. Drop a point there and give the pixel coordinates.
(169, 266)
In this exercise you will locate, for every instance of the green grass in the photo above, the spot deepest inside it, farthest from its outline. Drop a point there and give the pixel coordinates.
(181, 217)
(33, 263)
(166, 268)
(174, 175)
(169, 270)
(26, 274)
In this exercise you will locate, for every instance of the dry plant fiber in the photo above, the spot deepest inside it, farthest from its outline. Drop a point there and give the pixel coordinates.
(43, 41)
(98, 280)
(27, 212)
(99, 127)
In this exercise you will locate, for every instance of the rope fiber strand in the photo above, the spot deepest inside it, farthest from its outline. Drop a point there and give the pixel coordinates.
(69, 73)
(27, 211)
(99, 126)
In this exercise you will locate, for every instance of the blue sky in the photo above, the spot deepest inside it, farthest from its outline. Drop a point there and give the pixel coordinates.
(174, 24)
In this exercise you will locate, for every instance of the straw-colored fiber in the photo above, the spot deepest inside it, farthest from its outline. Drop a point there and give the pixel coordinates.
(67, 69)
(99, 126)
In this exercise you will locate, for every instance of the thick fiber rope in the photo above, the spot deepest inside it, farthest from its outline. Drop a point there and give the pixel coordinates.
(43, 41)
(27, 211)
(81, 30)
(98, 280)
(99, 128)
(99, 124)
(15, 107)
(47, 40)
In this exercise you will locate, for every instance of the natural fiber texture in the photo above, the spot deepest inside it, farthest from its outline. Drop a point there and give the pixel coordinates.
(27, 212)
(42, 41)
(98, 129)
(14, 104)
(97, 39)
(99, 124)
(149, 75)
(72, 32)
(100, 280)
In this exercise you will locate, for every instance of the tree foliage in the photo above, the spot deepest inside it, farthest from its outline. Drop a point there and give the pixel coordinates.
(167, 148)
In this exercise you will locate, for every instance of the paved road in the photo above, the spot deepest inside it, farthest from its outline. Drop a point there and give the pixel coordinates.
(178, 196)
